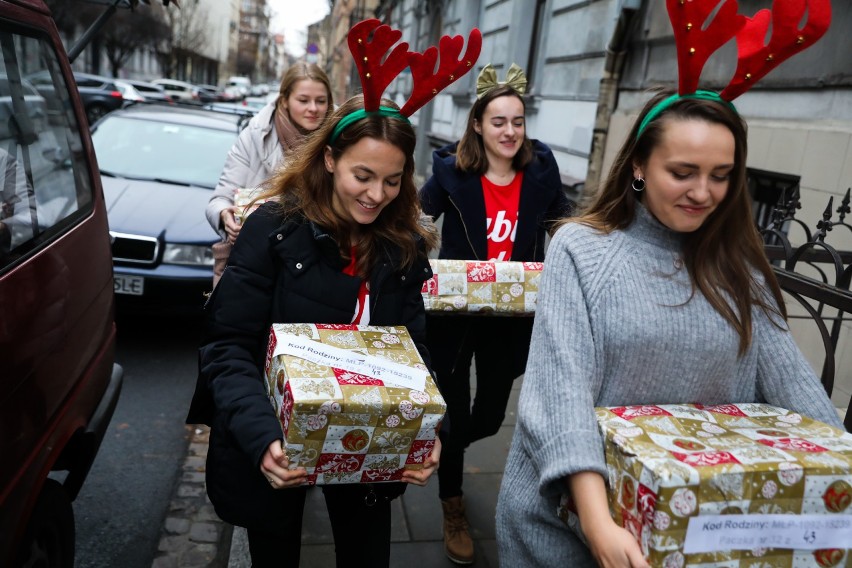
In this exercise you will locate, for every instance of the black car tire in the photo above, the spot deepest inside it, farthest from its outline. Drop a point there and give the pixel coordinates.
(49, 539)
(95, 112)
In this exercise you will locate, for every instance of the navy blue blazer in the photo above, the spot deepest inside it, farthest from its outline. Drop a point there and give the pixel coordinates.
(458, 197)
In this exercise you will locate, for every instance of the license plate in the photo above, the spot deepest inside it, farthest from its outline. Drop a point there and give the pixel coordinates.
(130, 285)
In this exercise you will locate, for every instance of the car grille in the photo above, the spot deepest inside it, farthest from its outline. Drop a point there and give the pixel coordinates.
(134, 249)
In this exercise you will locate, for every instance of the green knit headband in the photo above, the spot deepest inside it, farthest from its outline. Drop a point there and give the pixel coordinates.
(669, 101)
(357, 115)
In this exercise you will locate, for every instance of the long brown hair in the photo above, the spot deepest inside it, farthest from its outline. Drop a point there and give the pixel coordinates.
(470, 154)
(722, 255)
(305, 187)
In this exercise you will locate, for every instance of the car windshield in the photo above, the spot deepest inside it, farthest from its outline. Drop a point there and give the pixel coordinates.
(154, 150)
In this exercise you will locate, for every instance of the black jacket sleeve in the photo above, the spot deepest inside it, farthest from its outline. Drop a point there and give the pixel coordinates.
(560, 207)
(433, 198)
(233, 352)
(413, 310)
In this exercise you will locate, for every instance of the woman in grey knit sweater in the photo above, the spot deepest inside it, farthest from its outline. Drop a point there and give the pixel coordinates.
(659, 294)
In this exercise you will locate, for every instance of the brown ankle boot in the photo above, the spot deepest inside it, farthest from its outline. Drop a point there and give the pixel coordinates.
(457, 542)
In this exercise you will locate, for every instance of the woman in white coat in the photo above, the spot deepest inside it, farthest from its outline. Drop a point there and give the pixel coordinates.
(279, 128)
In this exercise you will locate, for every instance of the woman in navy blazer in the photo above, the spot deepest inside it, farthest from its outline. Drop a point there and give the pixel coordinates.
(498, 192)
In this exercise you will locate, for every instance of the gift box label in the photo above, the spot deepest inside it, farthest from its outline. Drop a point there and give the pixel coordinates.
(728, 485)
(482, 287)
(356, 403)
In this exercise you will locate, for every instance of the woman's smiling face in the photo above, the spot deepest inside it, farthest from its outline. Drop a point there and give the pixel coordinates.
(307, 104)
(688, 173)
(367, 177)
(502, 128)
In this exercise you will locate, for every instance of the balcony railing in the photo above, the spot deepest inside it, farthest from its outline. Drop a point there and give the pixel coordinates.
(815, 273)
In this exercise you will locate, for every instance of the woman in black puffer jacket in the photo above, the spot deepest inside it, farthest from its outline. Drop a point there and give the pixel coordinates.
(341, 243)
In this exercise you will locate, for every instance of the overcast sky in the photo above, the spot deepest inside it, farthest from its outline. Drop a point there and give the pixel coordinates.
(292, 17)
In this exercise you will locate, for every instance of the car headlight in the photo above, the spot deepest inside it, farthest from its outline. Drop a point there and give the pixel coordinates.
(191, 255)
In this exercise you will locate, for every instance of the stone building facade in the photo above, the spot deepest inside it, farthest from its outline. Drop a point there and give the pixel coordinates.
(591, 64)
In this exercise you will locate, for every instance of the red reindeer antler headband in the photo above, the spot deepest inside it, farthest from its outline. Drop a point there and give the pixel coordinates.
(377, 73)
(696, 39)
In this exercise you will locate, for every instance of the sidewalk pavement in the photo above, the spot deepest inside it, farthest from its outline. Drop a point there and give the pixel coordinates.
(193, 537)
(417, 534)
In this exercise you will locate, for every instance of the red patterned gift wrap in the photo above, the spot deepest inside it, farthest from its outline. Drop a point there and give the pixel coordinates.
(482, 287)
(356, 403)
(733, 485)
(244, 199)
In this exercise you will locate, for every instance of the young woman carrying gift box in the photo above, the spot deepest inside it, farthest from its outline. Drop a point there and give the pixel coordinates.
(342, 242)
(659, 293)
(497, 191)
(271, 136)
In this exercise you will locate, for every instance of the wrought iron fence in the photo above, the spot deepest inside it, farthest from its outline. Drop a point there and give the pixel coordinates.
(815, 273)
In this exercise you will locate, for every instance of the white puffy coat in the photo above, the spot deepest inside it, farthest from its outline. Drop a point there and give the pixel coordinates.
(251, 161)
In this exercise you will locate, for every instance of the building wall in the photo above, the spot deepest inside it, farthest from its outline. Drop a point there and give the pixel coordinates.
(559, 43)
(253, 51)
(211, 60)
(341, 72)
(318, 35)
(228, 39)
(567, 48)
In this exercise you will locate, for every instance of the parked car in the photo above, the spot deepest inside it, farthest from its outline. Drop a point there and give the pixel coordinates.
(35, 104)
(129, 93)
(242, 83)
(180, 91)
(232, 93)
(260, 90)
(208, 93)
(100, 95)
(159, 166)
(59, 384)
(237, 108)
(255, 103)
(151, 92)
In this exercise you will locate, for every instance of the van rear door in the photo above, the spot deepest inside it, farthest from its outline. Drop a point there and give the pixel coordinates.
(57, 333)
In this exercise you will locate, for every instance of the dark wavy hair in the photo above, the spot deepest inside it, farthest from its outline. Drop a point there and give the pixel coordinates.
(470, 154)
(305, 187)
(725, 256)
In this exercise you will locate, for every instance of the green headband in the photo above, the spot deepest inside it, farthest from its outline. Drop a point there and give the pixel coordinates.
(361, 113)
(669, 101)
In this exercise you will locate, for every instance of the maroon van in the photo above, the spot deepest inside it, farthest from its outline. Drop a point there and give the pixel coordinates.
(58, 381)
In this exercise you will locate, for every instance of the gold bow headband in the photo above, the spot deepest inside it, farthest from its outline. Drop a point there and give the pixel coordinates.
(487, 80)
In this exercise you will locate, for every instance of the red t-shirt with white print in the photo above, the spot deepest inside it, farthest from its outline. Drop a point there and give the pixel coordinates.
(501, 215)
(362, 305)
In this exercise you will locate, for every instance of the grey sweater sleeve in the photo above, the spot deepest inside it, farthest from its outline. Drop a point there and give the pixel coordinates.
(784, 376)
(563, 375)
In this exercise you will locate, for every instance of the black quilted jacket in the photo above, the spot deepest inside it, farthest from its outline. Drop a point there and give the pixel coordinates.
(280, 271)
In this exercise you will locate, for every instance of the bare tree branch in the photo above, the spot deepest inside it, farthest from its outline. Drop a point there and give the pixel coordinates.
(127, 33)
(187, 34)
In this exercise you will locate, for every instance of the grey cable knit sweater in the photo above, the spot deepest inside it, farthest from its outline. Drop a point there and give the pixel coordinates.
(614, 326)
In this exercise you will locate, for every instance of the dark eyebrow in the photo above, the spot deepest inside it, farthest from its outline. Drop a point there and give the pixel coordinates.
(371, 172)
(696, 166)
(501, 117)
